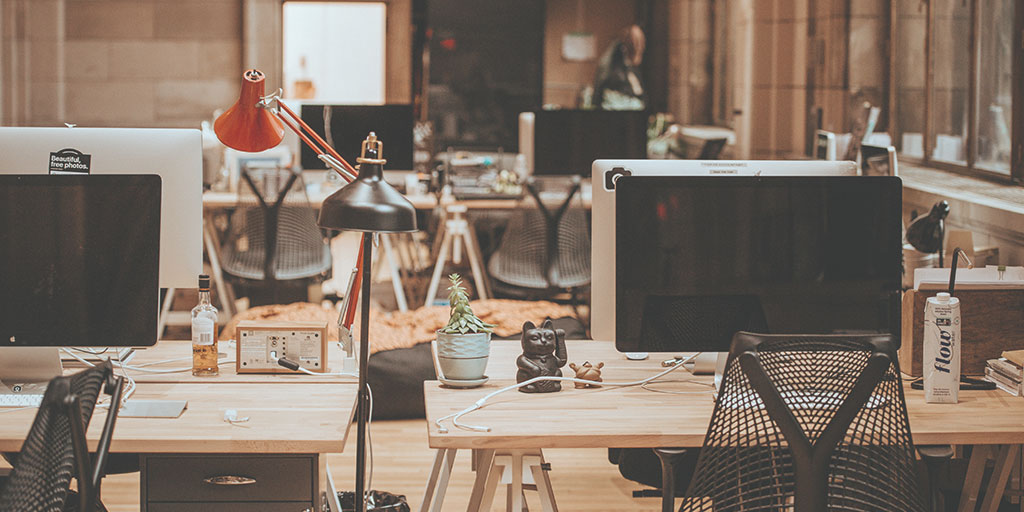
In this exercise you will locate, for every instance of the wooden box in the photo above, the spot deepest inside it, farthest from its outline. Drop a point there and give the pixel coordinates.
(258, 342)
(991, 321)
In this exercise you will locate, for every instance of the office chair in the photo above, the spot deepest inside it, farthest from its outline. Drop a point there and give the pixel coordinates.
(668, 324)
(712, 148)
(273, 236)
(56, 449)
(808, 423)
(544, 252)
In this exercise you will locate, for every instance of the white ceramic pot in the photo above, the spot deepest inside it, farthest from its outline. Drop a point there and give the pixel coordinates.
(462, 356)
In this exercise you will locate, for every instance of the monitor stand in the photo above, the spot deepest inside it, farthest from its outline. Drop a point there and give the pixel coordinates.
(28, 369)
(708, 363)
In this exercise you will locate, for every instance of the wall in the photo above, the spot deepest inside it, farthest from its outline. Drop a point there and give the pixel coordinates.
(153, 63)
(689, 81)
(811, 58)
(606, 19)
(150, 63)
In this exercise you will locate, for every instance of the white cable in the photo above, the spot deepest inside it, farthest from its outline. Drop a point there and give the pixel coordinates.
(338, 374)
(480, 403)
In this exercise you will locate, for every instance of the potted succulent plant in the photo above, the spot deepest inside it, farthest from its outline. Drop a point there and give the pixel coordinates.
(464, 344)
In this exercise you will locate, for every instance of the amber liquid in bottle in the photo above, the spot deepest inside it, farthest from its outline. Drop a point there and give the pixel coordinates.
(204, 332)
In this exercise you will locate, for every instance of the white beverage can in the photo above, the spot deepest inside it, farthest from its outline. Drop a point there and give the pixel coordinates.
(942, 349)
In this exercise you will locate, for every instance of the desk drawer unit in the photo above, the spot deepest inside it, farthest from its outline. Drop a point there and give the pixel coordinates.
(172, 482)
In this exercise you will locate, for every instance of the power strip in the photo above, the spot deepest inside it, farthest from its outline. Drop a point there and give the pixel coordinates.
(261, 344)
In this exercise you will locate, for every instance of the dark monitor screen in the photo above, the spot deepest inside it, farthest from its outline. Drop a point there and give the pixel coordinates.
(350, 124)
(566, 142)
(79, 261)
(699, 258)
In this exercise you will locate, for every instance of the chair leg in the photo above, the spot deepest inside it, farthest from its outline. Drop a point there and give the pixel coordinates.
(668, 458)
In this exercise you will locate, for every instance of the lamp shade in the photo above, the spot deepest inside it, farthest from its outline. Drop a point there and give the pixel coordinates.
(247, 126)
(369, 203)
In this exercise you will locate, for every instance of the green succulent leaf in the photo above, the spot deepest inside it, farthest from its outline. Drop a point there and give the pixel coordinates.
(462, 319)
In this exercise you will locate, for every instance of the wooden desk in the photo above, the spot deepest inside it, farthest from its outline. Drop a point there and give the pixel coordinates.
(317, 194)
(293, 421)
(634, 417)
(637, 418)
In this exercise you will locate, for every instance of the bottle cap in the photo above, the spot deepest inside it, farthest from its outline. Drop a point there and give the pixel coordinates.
(942, 296)
(204, 282)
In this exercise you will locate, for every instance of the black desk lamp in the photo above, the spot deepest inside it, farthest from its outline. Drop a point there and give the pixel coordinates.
(370, 205)
(926, 232)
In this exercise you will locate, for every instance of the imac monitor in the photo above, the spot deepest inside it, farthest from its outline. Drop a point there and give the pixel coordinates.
(348, 126)
(566, 142)
(605, 174)
(699, 258)
(176, 155)
(79, 260)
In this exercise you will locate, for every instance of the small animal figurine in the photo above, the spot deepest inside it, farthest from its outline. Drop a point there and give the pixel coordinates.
(543, 356)
(587, 371)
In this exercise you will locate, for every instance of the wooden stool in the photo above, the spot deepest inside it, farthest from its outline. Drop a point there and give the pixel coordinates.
(457, 231)
(518, 469)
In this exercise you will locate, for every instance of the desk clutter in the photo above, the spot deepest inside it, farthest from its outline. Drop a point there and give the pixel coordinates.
(990, 313)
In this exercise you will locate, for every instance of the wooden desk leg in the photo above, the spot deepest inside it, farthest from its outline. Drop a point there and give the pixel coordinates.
(972, 482)
(435, 279)
(1005, 456)
(165, 310)
(514, 501)
(484, 459)
(438, 481)
(543, 481)
(227, 295)
(498, 466)
(396, 275)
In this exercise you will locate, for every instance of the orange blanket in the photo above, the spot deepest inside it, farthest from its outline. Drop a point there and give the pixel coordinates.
(403, 330)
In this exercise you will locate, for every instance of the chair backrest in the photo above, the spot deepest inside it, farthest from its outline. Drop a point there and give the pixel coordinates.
(55, 449)
(808, 423)
(273, 231)
(545, 247)
(712, 148)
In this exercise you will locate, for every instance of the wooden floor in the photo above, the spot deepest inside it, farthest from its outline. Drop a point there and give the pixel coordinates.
(583, 480)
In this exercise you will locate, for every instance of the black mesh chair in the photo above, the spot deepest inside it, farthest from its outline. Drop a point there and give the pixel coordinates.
(808, 423)
(273, 235)
(668, 324)
(544, 252)
(55, 450)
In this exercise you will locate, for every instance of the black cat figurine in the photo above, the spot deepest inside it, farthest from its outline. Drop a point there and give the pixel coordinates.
(543, 356)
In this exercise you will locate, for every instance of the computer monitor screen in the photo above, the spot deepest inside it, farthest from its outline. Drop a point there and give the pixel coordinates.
(701, 258)
(566, 142)
(79, 260)
(604, 175)
(175, 154)
(349, 125)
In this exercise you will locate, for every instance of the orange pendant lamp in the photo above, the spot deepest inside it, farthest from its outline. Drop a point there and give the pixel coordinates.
(247, 125)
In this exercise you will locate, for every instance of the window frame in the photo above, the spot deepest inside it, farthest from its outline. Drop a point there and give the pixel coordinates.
(1016, 175)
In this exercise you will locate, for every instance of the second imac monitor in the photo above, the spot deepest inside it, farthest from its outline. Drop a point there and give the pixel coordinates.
(566, 142)
(345, 127)
(698, 259)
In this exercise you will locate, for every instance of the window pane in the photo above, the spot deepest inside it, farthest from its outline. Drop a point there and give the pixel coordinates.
(995, 85)
(334, 51)
(912, 24)
(952, 61)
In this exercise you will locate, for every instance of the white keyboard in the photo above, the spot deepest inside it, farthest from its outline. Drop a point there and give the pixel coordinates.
(20, 399)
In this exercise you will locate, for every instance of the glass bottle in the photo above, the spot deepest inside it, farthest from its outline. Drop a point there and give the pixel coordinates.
(204, 332)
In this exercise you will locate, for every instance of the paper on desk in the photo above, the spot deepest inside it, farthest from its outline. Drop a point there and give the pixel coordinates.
(970, 278)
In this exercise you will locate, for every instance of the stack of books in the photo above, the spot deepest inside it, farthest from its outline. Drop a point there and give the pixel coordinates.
(1007, 372)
